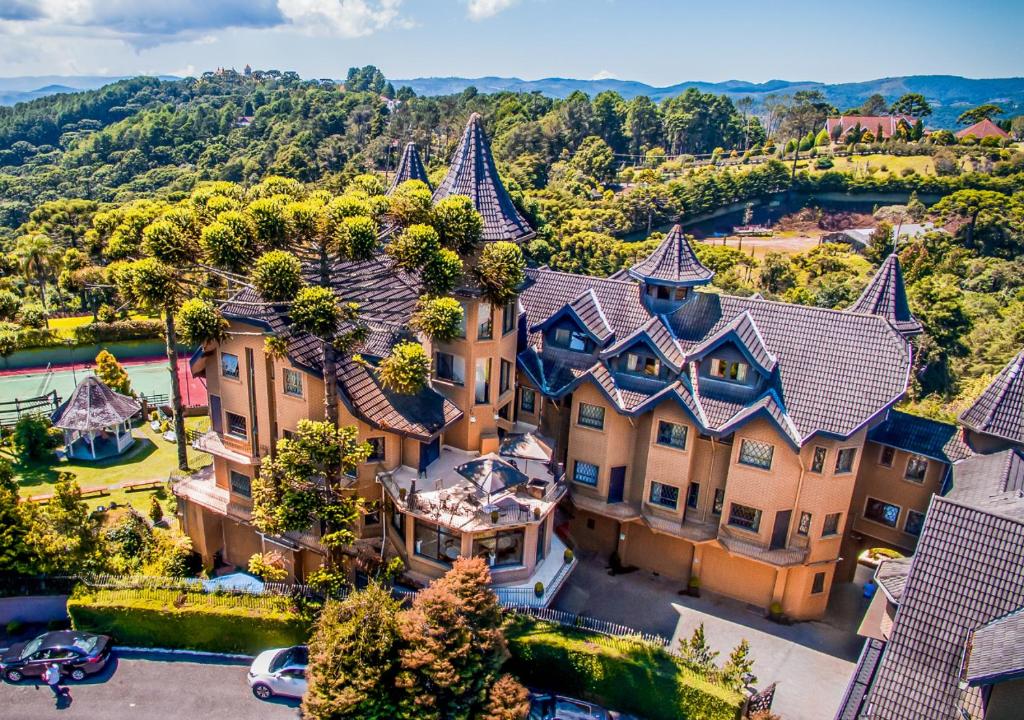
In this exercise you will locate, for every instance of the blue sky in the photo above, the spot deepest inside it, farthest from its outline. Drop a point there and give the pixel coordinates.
(656, 41)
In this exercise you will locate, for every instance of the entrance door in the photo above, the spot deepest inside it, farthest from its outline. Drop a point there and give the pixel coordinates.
(216, 416)
(617, 484)
(429, 452)
(780, 530)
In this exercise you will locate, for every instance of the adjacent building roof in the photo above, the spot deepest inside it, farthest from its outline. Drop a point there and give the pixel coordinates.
(891, 576)
(888, 123)
(673, 262)
(922, 436)
(996, 651)
(994, 481)
(94, 406)
(410, 167)
(473, 173)
(886, 296)
(999, 411)
(985, 128)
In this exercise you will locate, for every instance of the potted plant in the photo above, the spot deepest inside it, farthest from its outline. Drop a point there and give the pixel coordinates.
(775, 612)
(494, 516)
(567, 556)
(538, 589)
(402, 492)
(536, 513)
(693, 587)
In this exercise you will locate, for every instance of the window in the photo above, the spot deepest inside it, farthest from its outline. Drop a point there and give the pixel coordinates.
(508, 317)
(591, 416)
(664, 495)
(482, 392)
(372, 515)
(729, 370)
(236, 425)
(451, 368)
(882, 512)
(485, 320)
(502, 548)
(886, 456)
(643, 365)
(571, 339)
(672, 434)
(377, 449)
(914, 522)
(818, 584)
(292, 382)
(229, 365)
(716, 507)
(804, 526)
(436, 543)
(505, 378)
(818, 462)
(756, 454)
(528, 400)
(585, 473)
(240, 484)
(744, 517)
(831, 526)
(844, 460)
(693, 495)
(917, 467)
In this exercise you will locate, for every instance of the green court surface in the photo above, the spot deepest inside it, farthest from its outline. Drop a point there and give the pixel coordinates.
(147, 379)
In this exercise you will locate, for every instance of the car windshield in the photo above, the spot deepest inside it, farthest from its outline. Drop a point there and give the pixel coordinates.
(86, 643)
(31, 648)
(298, 655)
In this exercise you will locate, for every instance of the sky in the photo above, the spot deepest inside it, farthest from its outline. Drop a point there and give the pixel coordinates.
(660, 42)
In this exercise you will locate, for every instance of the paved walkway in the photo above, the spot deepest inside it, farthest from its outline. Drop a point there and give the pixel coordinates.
(810, 661)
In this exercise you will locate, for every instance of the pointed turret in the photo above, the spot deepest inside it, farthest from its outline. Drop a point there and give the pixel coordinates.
(410, 167)
(998, 413)
(886, 297)
(672, 263)
(473, 174)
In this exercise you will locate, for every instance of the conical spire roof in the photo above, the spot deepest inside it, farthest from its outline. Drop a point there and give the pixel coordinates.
(94, 406)
(673, 262)
(410, 167)
(473, 174)
(886, 296)
(999, 411)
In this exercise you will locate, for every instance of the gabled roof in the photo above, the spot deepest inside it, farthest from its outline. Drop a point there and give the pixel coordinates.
(94, 406)
(983, 129)
(673, 262)
(922, 436)
(410, 167)
(888, 123)
(742, 330)
(891, 576)
(658, 336)
(994, 481)
(999, 411)
(586, 311)
(996, 650)
(473, 173)
(886, 296)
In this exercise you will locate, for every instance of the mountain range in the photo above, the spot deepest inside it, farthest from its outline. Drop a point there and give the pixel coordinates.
(949, 95)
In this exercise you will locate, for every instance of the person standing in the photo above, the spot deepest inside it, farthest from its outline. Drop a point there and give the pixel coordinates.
(52, 678)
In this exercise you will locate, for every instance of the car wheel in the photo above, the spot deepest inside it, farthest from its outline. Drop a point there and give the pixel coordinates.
(263, 692)
(14, 675)
(78, 674)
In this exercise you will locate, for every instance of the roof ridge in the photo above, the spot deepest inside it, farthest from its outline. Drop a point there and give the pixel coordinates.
(986, 510)
(547, 269)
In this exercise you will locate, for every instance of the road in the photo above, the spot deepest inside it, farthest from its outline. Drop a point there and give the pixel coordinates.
(150, 685)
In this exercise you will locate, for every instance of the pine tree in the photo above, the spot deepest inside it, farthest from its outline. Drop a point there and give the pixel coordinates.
(738, 669)
(698, 652)
(508, 700)
(156, 511)
(111, 374)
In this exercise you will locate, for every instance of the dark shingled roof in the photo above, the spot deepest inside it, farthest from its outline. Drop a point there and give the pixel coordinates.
(1000, 409)
(860, 683)
(891, 576)
(658, 336)
(673, 262)
(94, 406)
(745, 329)
(996, 650)
(886, 296)
(410, 167)
(588, 309)
(473, 173)
(990, 481)
(922, 436)
(967, 571)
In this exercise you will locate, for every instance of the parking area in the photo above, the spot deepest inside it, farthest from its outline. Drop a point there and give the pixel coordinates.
(810, 661)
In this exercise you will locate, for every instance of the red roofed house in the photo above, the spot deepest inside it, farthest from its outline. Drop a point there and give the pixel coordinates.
(889, 124)
(985, 128)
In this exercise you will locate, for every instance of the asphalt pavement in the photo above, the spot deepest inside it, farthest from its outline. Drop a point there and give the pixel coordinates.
(149, 685)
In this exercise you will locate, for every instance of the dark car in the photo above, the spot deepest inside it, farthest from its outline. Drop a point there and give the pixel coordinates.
(79, 654)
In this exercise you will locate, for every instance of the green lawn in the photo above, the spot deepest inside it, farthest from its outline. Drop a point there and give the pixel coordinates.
(65, 326)
(150, 458)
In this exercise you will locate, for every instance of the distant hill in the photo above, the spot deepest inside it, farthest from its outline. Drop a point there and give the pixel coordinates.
(949, 95)
(14, 90)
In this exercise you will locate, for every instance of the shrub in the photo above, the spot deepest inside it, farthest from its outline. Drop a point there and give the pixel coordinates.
(156, 510)
(500, 271)
(824, 163)
(567, 556)
(110, 373)
(406, 370)
(415, 247)
(9, 305)
(32, 315)
(32, 437)
(268, 566)
(458, 224)
(442, 272)
(628, 676)
(106, 313)
(173, 619)
(100, 332)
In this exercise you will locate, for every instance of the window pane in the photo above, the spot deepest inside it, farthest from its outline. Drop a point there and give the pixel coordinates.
(485, 319)
(436, 543)
(506, 376)
(229, 365)
(585, 473)
(578, 342)
(528, 400)
(591, 416)
(886, 456)
(745, 517)
(292, 382)
(241, 484)
(831, 526)
(844, 460)
(818, 463)
(377, 445)
(672, 434)
(483, 381)
(882, 512)
(508, 317)
(756, 453)
(693, 495)
(914, 523)
(236, 425)
(818, 586)
(917, 467)
(805, 524)
(664, 495)
(719, 503)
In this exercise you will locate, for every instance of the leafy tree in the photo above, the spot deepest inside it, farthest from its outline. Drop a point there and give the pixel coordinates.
(62, 533)
(881, 245)
(977, 114)
(38, 257)
(9, 305)
(594, 159)
(16, 556)
(109, 372)
(938, 303)
(353, 659)
(458, 224)
(500, 271)
(410, 203)
(269, 567)
(777, 274)
(738, 669)
(277, 276)
(912, 104)
(33, 315)
(697, 652)
(166, 242)
(32, 437)
(989, 220)
(317, 311)
(439, 318)
(508, 700)
(874, 105)
(406, 370)
(198, 322)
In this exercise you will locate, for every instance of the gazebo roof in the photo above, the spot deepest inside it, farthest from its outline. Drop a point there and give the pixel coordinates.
(94, 406)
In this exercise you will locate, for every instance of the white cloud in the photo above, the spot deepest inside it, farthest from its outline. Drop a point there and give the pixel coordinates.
(347, 18)
(605, 75)
(483, 9)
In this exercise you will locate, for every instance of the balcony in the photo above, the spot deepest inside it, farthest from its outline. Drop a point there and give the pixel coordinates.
(691, 530)
(224, 446)
(201, 489)
(735, 543)
(621, 511)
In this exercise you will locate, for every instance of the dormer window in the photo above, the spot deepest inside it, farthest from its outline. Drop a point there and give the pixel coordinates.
(643, 365)
(662, 292)
(571, 340)
(729, 370)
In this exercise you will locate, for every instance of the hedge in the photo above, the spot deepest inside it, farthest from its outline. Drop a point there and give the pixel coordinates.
(159, 618)
(14, 337)
(627, 676)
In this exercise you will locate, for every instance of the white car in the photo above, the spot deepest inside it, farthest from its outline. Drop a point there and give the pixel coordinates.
(279, 672)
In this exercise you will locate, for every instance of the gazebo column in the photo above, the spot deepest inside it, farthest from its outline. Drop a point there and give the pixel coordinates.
(92, 444)
(117, 433)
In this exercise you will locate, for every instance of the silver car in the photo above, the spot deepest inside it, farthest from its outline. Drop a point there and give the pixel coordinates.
(279, 672)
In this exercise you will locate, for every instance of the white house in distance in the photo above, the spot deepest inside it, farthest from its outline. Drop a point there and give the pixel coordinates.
(96, 421)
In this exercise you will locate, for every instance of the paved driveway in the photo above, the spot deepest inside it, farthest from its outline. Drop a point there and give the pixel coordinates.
(811, 661)
(137, 687)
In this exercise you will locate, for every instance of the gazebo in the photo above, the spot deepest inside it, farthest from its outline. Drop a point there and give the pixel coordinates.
(96, 421)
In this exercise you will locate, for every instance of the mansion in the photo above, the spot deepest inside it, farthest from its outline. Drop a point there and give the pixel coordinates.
(748, 443)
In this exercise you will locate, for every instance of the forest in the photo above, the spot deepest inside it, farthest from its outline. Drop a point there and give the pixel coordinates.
(83, 175)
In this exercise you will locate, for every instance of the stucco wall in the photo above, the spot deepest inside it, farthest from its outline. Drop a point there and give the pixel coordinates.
(666, 555)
